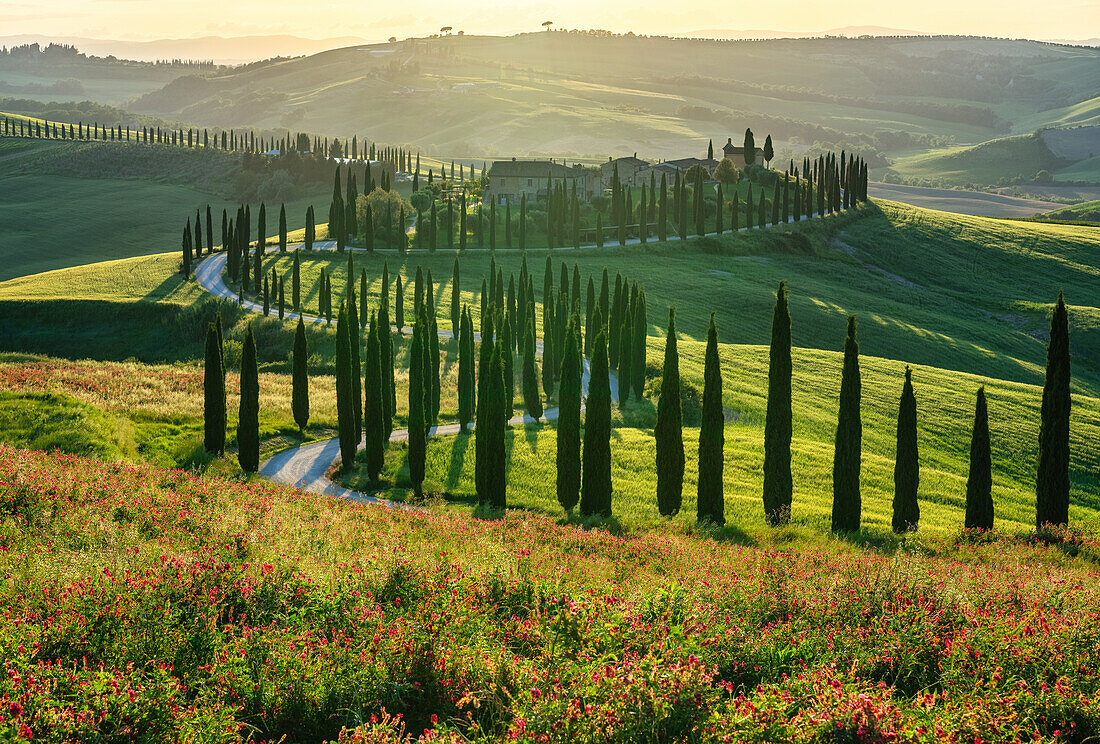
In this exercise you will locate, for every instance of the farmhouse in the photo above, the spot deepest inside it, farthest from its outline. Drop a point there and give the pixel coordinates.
(732, 152)
(628, 169)
(509, 180)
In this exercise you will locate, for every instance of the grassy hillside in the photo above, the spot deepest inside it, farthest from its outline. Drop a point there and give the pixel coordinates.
(1083, 212)
(207, 609)
(999, 160)
(73, 203)
(596, 94)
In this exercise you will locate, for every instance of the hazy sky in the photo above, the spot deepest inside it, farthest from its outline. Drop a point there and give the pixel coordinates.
(142, 19)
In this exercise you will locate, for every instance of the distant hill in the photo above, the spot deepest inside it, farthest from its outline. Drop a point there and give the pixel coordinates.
(851, 31)
(218, 49)
(1083, 212)
(593, 94)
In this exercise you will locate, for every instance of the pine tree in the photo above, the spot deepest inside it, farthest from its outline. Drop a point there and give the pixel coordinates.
(214, 393)
(248, 417)
(596, 449)
(849, 431)
(712, 438)
(906, 465)
(668, 431)
(300, 380)
(979, 482)
(418, 425)
(1052, 481)
(778, 482)
(532, 401)
(569, 419)
(345, 405)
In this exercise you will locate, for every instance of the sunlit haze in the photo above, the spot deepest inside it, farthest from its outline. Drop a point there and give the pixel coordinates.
(130, 19)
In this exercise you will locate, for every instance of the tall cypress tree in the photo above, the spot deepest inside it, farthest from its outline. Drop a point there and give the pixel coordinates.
(596, 449)
(849, 431)
(282, 228)
(300, 381)
(389, 394)
(906, 465)
(494, 449)
(711, 505)
(248, 418)
(532, 401)
(373, 431)
(418, 425)
(638, 337)
(399, 304)
(465, 371)
(1052, 480)
(456, 300)
(626, 358)
(979, 482)
(778, 483)
(484, 360)
(668, 431)
(214, 394)
(345, 407)
(355, 339)
(569, 419)
(507, 362)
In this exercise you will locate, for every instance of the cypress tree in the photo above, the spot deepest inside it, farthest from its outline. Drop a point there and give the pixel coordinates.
(641, 331)
(590, 312)
(1052, 480)
(432, 344)
(282, 298)
(186, 266)
(345, 407)
(248, 417)
(495, 470)
(625, 359)
(267, 296)
(465, 371)
(282, 228)
(214, 394)
(778, 483)
(849, 430)
(418, 425)
(569, 419)
(373, 431)
(668, 431)
(389, 395)
(979, 482)
(906, 465)
(456, 299)
(485, 358)
(596, 448)
(399, 304)
(532, 401)
(507, 366)
(355, 338)
(299, 397)
(712, 437)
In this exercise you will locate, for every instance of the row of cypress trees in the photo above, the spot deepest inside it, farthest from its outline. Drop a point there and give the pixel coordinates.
(476, 398)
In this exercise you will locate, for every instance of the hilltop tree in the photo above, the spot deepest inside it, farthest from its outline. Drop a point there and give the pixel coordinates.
(300, 382)
(712, 438)
(769, 151)
(1052, 481)
(778, 484)
(214, 393)
(849, 431)
(373, 429)
(345, 410)
(979, 481)
(668, 431)
(569, 419)
(596, 449)
(906, 465)
(248, 417)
